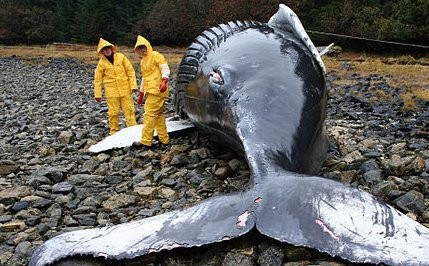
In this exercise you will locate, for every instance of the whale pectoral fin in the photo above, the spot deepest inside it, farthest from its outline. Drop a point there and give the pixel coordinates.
(287, 20)
(126, 136)
(339, 220)
(212, 220)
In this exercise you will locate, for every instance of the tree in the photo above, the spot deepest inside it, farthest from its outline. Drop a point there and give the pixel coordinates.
(40, 25)
(173, 21)
(128, 13)
(93, 19)
(64, 14)
(178, 22)
(413, 18)
(11, 29)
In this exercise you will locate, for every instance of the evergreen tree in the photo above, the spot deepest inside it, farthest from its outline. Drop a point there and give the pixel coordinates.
(93, 19)
(39, 24)
(65, 13)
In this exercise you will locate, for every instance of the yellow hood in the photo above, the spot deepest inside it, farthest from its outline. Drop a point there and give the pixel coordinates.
(103, 43)
(142, 41)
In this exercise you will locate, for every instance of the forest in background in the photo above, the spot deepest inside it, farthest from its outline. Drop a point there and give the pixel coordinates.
(178, 22)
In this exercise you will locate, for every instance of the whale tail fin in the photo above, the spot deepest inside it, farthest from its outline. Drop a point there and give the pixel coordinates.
(301, 210)
(213, 220)
(339, 220)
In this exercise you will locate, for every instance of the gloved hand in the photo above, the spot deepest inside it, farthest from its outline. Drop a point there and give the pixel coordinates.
(140, 99)
(134, 90)
(163, 85)
(98, 100)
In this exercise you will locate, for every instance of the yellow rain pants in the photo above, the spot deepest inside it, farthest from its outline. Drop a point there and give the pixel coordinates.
(154, 119)
(126, 104)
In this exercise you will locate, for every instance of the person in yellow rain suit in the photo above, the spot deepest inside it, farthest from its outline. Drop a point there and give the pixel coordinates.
(154, 87)
(118, 77)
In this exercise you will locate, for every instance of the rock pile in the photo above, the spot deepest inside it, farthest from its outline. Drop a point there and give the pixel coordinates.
(50, 183)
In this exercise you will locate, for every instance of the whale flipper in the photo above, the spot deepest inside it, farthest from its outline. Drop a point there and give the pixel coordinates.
(287, 20)
(126, 136)
(340, 220)
(214, 220)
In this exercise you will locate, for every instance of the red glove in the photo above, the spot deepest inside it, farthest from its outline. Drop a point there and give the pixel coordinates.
(163, 85)
(140, 99)
(98, 100)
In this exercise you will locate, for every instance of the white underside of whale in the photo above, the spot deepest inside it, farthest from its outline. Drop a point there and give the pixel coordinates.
(125, 137)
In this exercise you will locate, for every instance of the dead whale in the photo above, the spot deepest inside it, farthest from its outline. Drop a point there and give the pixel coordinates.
(260, 89)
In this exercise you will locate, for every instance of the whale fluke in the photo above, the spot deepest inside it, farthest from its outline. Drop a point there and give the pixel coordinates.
(301, 210)
(214, 220)
(340, 220)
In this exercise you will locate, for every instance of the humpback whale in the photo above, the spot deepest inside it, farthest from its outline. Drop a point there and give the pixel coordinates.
(260, 89)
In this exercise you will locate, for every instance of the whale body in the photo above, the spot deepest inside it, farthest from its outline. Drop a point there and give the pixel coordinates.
(259, 88)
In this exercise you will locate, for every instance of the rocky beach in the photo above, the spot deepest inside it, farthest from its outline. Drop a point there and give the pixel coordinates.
(50, 183)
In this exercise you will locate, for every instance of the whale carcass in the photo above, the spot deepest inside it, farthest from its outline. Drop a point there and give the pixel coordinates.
(260, 89)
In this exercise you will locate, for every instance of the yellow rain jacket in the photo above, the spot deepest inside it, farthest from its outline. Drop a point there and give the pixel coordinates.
(154, 67)
(119, 78)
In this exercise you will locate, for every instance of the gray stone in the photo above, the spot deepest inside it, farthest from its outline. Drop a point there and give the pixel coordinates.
(54, 174)
(32, 221)
(65, 137)
(223, 172)
(412, 201)
(145, 192)
(142, 175)
(5, 218)
(234, 164)
(23, 248)
(7, 167)
(369, 165)
(86, 219)
(20, 205)
(11, 195)
(383, 188)
(119, 201)
(373, 177)
(41, 203)
(63, 199)
(114, 179)
(169, 182)
(5, 257)
(396, 165)
(179, 160)
(79, 179)
(90, 165)
(63, 187)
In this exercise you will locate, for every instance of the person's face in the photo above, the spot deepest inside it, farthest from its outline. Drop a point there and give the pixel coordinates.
(107, 51)
(142, 50)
